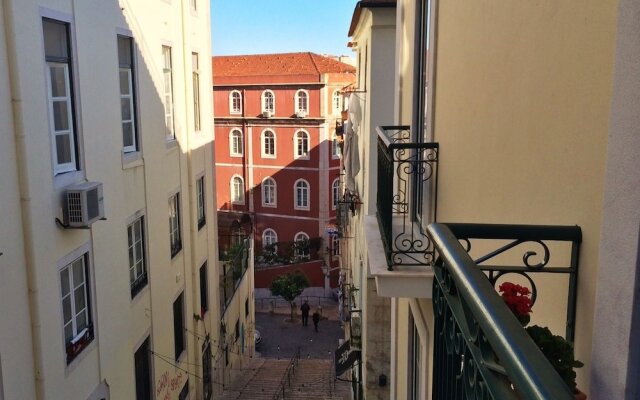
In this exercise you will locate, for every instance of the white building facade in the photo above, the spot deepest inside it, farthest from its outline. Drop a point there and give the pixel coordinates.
(106, 125)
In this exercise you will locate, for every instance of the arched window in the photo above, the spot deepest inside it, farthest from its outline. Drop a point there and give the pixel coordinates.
(301, 145)
(301, 189)
(301, 246)
(302, 102)
(235, 102)
(269, 237)
(268, 144)
(235, 143)
(269, 190)
(336, 102)
(268, 101)
(335, 191)
(237, 190)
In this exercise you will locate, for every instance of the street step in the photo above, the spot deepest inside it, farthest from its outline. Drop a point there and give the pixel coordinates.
(310, 380)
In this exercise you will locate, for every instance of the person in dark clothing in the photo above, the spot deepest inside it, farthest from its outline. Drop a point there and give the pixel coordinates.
(305, 313)
(316, 319)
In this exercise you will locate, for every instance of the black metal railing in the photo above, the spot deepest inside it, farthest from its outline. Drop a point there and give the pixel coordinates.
(287, 376)
(235, 263)
(407, 194)
(289, 252)
(481, 350)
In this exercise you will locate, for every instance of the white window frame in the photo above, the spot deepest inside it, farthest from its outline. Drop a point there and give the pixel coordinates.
(335, 245)
(195, 83)
(271, 233)
(336, 102)
(335, 149)
(201, 204)
(300, 236)
(136, 254)
(266, 183)
(130, 97)
(298, 107)
(66, 64)
(233, 107)
(232, 143)
(299, 143)
(237, 197)
(306, 193)
(263, 101)
(175, 225)
(335, 193)
(84, 253)
(167, 76)
(263, 144)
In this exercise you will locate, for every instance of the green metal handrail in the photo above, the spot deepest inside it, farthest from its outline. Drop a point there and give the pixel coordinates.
(481, 350)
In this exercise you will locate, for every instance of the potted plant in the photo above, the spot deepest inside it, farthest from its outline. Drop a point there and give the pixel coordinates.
(556, 349)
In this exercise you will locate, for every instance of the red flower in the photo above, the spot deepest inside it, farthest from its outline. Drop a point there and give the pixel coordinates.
(517, 298)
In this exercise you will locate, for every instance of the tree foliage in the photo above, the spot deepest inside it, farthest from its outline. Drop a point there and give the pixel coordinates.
(289, 286)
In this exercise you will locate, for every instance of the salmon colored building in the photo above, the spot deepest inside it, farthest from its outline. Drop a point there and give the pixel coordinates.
(277, 156)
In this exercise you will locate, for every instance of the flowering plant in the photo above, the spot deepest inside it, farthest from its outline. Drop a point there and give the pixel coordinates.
(518, 299)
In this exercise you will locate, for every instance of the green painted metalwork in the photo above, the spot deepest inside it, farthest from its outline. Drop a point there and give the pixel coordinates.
(407, 174)
(481, 351)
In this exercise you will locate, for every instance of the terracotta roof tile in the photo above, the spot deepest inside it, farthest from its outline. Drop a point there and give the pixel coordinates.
(277, 64)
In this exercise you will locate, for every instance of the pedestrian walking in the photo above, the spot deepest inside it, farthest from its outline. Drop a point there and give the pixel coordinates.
(316, 319)
(304, 308)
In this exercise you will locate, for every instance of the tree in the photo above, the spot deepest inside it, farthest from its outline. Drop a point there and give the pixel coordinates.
(289, 287)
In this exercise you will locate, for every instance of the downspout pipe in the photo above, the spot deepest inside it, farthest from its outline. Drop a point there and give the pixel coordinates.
(25, 194)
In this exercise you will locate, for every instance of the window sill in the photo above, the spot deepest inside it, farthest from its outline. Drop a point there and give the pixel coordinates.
(67, 178)
(270, 205)
(132, 160)
(171, 143)
(176, 250)
(302, 208)
(201, 224)
(301, 157)
(273, 157)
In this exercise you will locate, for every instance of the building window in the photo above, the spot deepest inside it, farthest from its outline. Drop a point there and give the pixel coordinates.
(76, 308)
(237, 190)
(301, 145)
(246, 307)
(127, 94)
(269, 190)
(178, 326)
(235, 102)
(235, 143)
(268, 101)
(268, 144)
(184, 392)
(302, 194)
(336, 102)
(142, 367)
(301, 246)
(302, 102)
(57, 50)
(204, 291)
(167, 75)
(335, 245)
(335, 148)
(195, 78)
(335, 191)
(415, 356)
(175, 237)
(137, 264)
(207, 381)
(201, 205)
(269, 237)
(237, 331)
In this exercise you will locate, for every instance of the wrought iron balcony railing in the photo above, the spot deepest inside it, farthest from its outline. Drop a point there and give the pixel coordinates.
(407, 194)
(234, 266)
(481, 350)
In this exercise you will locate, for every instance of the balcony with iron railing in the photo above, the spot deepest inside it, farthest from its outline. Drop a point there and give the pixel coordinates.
(400, 252)
(481, 349)
(234, 259)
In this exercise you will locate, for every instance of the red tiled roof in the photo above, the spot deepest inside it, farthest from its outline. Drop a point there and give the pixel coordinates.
(277, 64)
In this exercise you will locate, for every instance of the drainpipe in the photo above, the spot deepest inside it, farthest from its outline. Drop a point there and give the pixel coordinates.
(25, 195)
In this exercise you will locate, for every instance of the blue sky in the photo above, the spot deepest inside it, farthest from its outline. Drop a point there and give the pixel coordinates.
(279, 26)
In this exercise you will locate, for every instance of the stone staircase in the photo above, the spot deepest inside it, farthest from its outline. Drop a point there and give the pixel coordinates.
(310, 381)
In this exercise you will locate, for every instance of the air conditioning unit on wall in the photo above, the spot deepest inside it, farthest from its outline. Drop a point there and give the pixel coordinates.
(267, 114)
(83, 204)
(301, 114)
